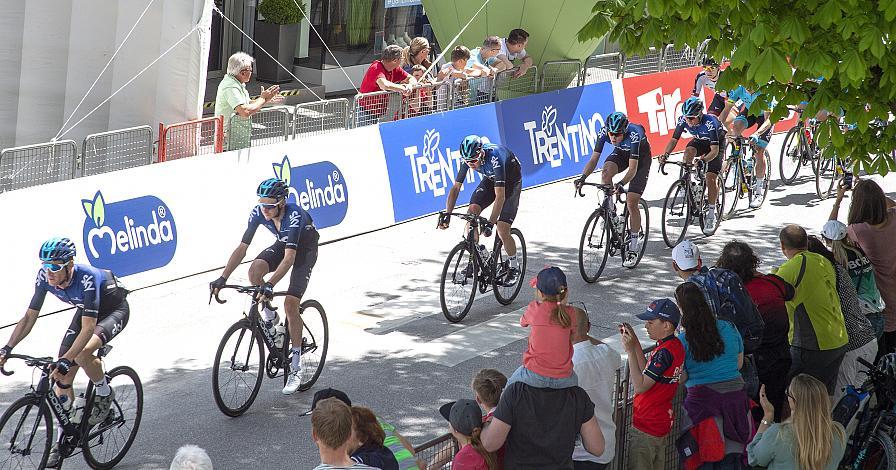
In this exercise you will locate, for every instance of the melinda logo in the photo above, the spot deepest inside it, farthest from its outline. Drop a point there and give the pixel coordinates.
(319, 188)
(130, 236)
(555, 142)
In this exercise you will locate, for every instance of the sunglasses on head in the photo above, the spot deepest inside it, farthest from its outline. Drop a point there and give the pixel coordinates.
(53, 267)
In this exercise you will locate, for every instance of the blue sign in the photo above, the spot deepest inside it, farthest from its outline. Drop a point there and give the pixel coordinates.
(402, 3)
(128, 237)
(422, 157)
(553, 134)
(319, 188)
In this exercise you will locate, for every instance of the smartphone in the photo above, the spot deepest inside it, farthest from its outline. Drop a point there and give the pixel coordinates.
(847, 180)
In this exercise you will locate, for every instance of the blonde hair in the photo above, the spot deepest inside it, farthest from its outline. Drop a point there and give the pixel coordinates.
(408, 53)
(488, 385)
(841, 250)
(476, 443)
(810, 418)
(559, 316)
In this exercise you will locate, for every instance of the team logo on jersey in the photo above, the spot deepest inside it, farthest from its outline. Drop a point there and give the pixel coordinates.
(319, 188)
(434, 166)
(130, 236)
(555, 142)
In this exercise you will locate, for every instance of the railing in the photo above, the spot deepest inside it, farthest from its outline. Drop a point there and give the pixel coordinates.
(116, 150)
(438, 453)
(320, 117)
(472, 91)
(560, 74)
(508, 86)
(674, 59)
(643, 64)
(31, 165)
(186, 139)
(378, 106)
(602, 68)
(428, 98)
(270, 125)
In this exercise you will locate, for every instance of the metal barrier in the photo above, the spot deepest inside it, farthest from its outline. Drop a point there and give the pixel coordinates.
(438, 453)
(560, 74)
(701, 51)
(602, 68)
(427, 99)
(116, 150)
(643, 64)
(186, 139)
(320, 117)
(270, 125)
(679, 59)
(507, 86)
(31, 165)
(377, 106)
(472, 91)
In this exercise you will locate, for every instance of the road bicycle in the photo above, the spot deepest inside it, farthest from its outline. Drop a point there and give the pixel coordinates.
(737, 175)
(470, 267)
(867, 413)
(686, 200)
(240, 362)
(799, 148)
(606, 233)
(27, 426)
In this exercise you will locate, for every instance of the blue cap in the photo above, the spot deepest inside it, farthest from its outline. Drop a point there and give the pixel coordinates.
(549, 281)
(663, 309)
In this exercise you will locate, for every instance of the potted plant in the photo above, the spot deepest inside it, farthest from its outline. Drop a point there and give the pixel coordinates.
(277, 33)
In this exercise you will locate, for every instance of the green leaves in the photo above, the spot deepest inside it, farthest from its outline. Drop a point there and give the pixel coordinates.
(794, 27)
(770, 63)
(853, 66)
(828, 14)
(889, 9)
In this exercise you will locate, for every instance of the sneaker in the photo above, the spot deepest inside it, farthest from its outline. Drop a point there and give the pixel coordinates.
(101, 408)
(54, 460)
(293, 382)
(757, 198)
(513, 276)
(709, 220)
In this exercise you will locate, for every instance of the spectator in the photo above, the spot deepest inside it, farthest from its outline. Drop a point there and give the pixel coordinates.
(367, 433)
(655, 381)
(716, 407)
(190, 457)
(769, 293)
(861, 342)
(420, 100)
(233, 98)
(548, 360)
(809, 439)
(686, 260)
(485, 57)
(457, 71)
(514, 48)
(331, 429)
(416, 53)
(465, 424)
(487, 386)
(383, 75)
(817, 329)
(872, 226)
(595, 364)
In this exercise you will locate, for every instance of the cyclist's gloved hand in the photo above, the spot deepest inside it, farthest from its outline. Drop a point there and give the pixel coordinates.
(662, 158)
(754, 139)
(487, 229)
(217, 284)
(620, 188)
(444, 220)
(63, 365)
(267, 290)
(4, 353)
(578, 181)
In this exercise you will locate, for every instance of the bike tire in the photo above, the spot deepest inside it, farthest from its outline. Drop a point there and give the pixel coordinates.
(879, 453)
(791, 156)
(825, 173)
(121, 379)
(720, 203)
(732, 182)
(31, 408)
(315, 343)
(768, 179)
(645, 228)
(459, 258)
(596, 226)
(676, 201)
(246, 333)
(506, 294)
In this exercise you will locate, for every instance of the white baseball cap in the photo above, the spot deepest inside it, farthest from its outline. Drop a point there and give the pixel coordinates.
(686, 255)
(834, 230)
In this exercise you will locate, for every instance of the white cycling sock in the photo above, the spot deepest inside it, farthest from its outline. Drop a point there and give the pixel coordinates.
(268, 314)
(512, 261)
(296, 358)
(102, 388)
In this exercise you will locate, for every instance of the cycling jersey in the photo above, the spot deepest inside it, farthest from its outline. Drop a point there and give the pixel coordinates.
(296, 222)
(740, 94)
(499, 165)
(703, 80)
(709, 129)
(94, 291)
(633, 143)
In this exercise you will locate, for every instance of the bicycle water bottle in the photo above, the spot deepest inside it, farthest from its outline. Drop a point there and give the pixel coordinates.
(618, 223)
(279, 335)
(77, 412)
(483, 253)
(748, 165)
(848, 406)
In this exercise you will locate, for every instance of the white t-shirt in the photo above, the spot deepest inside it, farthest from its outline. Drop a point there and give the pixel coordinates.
(511, 57)
(596, 365)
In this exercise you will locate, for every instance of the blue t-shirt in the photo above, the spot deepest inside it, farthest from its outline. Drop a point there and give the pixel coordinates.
(709, 129)
(741, 94)
(499, 165)
(86, 290)
(295, 222)
(476, 58)
(634, 138)
(720, 368)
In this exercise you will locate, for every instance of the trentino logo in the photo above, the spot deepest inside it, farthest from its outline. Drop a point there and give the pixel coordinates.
(555, 142)
(319, 188)
(435, 169)
(130, 236)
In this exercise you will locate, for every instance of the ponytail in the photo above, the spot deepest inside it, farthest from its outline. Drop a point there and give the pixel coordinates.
(489, 457)
(559, 316)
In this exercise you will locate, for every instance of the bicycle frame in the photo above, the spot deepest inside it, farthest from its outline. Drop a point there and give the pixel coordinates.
(688, 173)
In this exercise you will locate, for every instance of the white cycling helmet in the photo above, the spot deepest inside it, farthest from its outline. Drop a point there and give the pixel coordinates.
(834, 230)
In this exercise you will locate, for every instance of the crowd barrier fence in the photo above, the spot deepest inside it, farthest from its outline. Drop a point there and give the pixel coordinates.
(320, 117)
(116, 150)
(31, 165)
(602, 68)
(560, 74)
(186, 139)
(507, 85)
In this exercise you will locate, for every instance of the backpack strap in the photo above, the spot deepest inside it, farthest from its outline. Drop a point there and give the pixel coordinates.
(799, 277)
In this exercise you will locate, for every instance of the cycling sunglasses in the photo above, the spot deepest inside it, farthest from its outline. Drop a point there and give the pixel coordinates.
(616, 134)
(273, 205)
(53, 267)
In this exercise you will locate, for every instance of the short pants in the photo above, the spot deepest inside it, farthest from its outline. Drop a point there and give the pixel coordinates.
(107, 326)
(306, 257)
(702, 147)
(751, 120)
(621, 158)
(484, 196)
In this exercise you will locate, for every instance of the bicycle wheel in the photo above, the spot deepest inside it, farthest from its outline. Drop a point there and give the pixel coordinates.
(237, 373)
(645, 229)
(791, 156)
(315, 342)
(594, 247)
(767, 182)
(720, 203)
(879, 453)
(26, 434)
(505, 294)
(732, 185)
(108, 442)
(458, 286)
(825, 173)
(676, 214)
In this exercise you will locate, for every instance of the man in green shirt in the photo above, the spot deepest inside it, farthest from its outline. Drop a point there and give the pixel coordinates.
(817, 330)
(233, 98)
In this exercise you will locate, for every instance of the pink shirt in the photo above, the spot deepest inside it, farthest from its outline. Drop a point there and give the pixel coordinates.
(878, 245)
(550, 345)
(468, 459)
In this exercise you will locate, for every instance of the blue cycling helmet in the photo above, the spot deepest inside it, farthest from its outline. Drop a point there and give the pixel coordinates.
(57, 249)
(692, 107)
(273, 188)
(616, 123)
(470, 147)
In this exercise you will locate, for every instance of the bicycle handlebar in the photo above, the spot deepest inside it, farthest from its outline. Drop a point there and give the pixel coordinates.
(30, 361)
(606, 188)
(688, 166)
(241, 289)
(474, 219)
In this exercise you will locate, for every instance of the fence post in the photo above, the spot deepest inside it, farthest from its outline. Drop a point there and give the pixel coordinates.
(161, 153)
(622, 61)
(219, 133)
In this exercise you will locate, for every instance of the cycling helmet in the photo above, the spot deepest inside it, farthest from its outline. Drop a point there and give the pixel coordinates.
(693, 106)
(470, 147)
(616, 123)
(709, 61)
(57, 249)
(273, 188)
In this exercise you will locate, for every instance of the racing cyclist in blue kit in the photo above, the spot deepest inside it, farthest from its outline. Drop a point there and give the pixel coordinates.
(502, 183)
(631, 152)
(707, 132)
(102, 313)
(295, 248)
(746, 117)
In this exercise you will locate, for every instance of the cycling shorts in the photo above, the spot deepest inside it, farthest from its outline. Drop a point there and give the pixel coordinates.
(306, 257)
(750, 120)
(621, 159)
(107, 326)
(484, 196)
(717, 105)
(702, 147)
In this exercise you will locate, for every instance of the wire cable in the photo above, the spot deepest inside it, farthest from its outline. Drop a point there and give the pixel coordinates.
(328, 47)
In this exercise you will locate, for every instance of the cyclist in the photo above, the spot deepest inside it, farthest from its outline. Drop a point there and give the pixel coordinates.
(102, 313)
(707, 132)
(502, 183)
(631, 152)
(708, 78)
(295, 247)
(744, 100)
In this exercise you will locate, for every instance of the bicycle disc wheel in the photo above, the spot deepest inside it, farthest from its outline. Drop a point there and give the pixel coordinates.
(315, 342)
(825, 173)
(458, 286)
(791, 156)
(676, 214)
(880, 453)
(720, 203)
(505, 294)
(26, 434)
(108, 442)
(732, 185)
(645, 229)
(238, 369)
(594, 247)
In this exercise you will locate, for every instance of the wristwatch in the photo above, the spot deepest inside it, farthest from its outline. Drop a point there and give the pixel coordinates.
(766, 422)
